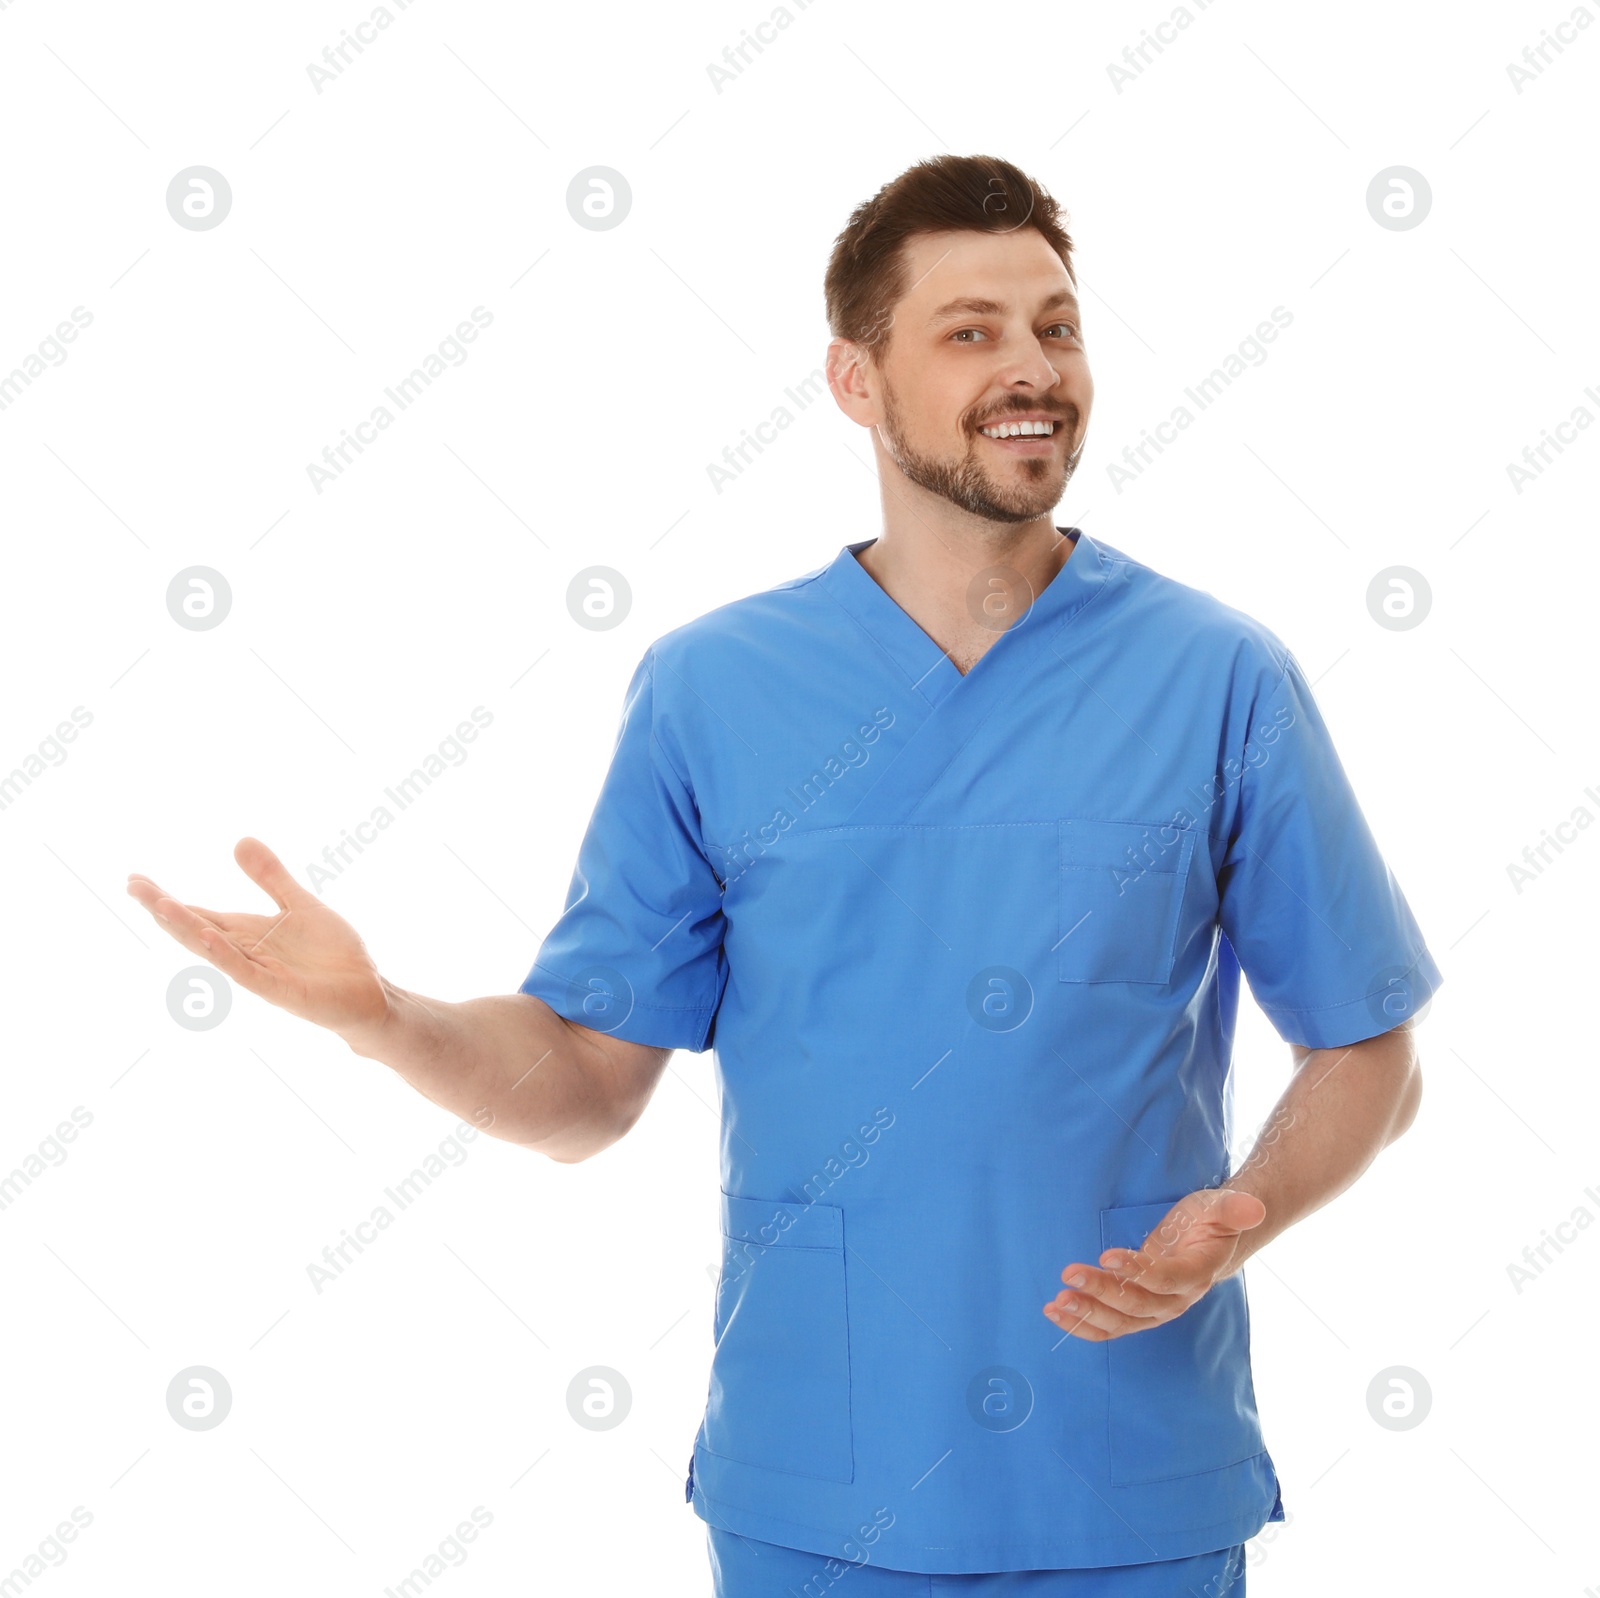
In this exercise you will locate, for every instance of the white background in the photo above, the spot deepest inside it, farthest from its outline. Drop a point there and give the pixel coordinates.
(367, 620)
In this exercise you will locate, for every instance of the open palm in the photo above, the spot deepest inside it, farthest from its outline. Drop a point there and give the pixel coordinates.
(1188, 1251)
(306, 959)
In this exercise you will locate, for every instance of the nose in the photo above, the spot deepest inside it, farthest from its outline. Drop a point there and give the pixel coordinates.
(1031, 369)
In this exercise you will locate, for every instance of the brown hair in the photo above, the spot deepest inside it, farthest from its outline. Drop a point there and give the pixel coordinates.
(866, 273)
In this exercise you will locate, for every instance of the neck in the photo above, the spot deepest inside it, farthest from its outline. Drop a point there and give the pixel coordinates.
(964, 590)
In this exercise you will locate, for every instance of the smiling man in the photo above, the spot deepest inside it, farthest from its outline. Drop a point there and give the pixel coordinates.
(954, 850)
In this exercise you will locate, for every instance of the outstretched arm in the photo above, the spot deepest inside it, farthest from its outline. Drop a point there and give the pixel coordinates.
(546, 1082)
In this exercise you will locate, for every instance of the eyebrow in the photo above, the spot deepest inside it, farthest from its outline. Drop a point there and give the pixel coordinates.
(971, 306)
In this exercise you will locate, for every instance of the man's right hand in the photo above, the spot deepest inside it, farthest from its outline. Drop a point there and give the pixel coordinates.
(507, 1062)
(305, 959)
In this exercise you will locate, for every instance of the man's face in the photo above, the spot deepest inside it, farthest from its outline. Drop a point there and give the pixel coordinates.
(989, 330)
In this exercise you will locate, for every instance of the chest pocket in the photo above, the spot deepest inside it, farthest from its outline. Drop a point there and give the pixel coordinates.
(1120, 899)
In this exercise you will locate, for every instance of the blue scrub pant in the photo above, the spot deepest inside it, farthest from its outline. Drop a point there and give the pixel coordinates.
(744, 1568)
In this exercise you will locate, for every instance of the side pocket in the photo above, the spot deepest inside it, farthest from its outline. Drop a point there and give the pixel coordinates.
(780, 1377)
(1120, 899)
(1181, 1398)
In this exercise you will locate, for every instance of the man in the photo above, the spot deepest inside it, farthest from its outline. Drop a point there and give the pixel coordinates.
(954, 848)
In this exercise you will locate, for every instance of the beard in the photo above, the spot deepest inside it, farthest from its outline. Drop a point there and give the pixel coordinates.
(963, 480)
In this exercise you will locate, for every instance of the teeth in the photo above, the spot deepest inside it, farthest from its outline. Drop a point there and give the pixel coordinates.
(1019, 430)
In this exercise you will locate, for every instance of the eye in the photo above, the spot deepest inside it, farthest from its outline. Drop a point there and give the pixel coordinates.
(960, 333)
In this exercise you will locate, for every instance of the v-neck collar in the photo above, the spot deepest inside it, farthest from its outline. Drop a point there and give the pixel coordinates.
(931, 671)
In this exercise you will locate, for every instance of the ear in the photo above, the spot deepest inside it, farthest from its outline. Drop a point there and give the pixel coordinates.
(852, 380)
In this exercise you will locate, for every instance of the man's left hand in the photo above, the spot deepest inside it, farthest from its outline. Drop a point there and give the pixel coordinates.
(1192, 1247)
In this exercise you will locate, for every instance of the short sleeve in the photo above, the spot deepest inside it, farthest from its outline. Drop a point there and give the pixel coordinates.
(637, 953)
(1321, 929)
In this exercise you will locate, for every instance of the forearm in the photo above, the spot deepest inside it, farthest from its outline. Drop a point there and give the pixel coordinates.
(1341, 1109)
(541, 1080)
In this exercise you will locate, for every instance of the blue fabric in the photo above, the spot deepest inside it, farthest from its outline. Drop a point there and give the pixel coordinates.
(744, 1568)
(968, 951)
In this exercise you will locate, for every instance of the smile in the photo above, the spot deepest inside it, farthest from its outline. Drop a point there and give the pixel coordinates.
(1018, 430)
(1022, 438)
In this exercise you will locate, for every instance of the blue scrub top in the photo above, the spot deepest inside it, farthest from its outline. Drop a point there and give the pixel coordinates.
(968, 952)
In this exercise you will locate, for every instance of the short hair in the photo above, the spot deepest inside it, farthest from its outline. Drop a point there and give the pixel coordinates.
(866, 274)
